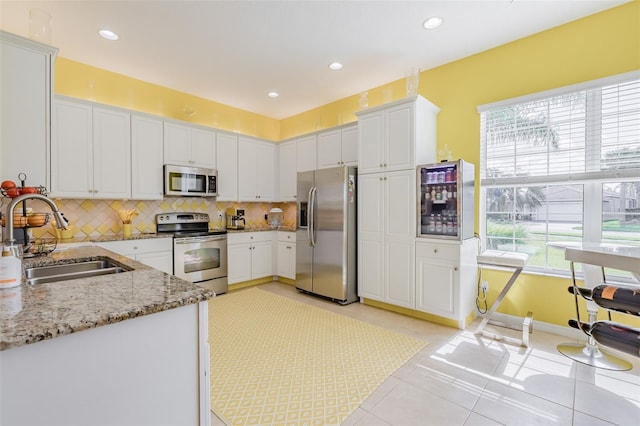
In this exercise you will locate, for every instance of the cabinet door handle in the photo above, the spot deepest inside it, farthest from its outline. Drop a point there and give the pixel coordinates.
(288, 247)
(435, 250)
(455, 269)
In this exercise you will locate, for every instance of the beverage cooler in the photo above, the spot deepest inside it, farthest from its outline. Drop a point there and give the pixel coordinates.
(445, 200)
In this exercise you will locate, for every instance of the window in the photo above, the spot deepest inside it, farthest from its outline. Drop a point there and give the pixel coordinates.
(562, 166)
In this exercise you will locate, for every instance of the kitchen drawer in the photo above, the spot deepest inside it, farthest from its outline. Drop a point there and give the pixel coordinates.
(249, 237)
(147, 245)
(442, 251)
(289, 237)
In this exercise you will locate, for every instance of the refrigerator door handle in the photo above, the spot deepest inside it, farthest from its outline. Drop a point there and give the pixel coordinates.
(312, 217)
(308, 213)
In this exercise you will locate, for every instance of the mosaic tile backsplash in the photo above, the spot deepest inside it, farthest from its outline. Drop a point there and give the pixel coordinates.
(95, 218)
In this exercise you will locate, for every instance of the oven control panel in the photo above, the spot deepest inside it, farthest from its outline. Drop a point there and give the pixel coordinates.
(168, 218)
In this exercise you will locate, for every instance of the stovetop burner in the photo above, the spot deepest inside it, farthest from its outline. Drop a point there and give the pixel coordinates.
(182, 224)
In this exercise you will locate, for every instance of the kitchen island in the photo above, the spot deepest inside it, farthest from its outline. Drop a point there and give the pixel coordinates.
(127, 348)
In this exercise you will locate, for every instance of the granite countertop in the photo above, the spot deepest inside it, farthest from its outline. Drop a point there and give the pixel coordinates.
(31, 313)
(114, 237)
(262, 228)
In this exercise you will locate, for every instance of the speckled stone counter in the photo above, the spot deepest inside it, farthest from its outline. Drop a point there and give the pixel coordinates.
(31, 313)
(260, 229)
(114, 237)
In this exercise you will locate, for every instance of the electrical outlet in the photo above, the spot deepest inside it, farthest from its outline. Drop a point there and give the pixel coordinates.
(484, 285)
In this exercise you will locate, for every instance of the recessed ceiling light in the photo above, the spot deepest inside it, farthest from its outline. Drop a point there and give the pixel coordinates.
(273, 94)
(108, 34)
(335, 66)
(432, 23)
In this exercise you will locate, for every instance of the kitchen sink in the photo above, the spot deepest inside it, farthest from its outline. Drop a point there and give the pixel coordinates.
(71, 271)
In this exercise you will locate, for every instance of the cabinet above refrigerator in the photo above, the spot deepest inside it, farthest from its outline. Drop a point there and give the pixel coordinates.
(445, 200)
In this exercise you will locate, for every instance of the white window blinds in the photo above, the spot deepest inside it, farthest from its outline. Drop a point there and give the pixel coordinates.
(593, 133)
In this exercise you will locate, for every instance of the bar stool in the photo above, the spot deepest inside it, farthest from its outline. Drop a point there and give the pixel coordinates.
(514, 262)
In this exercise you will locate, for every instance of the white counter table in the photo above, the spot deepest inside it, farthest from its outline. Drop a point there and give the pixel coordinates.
(594, 259)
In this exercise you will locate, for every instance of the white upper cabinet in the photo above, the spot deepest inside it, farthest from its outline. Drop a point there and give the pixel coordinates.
(25, 108)
(397, 136)
(227, 153)
(256, 170)
(146, 157)
(349, 145)
(190, 146)
(306, 153)
(90, 151)
(287, 171)
(111, 153)
(338, 147)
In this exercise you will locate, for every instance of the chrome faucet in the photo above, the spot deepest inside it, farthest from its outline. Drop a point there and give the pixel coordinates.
(61, 222)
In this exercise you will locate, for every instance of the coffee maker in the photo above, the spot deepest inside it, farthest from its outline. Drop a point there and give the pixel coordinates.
(235, 218)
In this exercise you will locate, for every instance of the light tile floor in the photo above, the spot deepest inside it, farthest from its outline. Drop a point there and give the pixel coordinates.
(461, 379)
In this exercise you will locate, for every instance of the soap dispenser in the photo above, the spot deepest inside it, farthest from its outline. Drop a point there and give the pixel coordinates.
(10, 269)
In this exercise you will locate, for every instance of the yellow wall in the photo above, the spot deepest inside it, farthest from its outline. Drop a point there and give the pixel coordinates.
(86, 82)
(604, 44)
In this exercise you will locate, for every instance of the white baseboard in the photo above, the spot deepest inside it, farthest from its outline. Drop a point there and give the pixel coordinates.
(559, 330)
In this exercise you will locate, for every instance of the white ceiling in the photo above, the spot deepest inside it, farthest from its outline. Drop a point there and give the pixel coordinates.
(234, 52)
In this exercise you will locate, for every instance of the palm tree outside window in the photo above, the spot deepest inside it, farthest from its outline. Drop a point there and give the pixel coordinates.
(562, 166)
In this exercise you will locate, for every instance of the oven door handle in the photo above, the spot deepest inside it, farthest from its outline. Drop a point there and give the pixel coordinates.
(198, 240)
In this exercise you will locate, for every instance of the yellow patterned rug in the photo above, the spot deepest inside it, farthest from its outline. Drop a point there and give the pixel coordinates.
(278, 361)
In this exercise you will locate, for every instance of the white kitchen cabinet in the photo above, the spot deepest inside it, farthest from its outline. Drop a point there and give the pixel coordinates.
(338, 147)
(287, 171)
(90, 151)
(25, 108)
(190, 146)
(386, 230)
(397, 136)
(256, 170)
(128, 359)
(306, 156)
(250, 256)
(286, 255)
(446, 279)
(154, 252)
(227, 166)
(146, 157)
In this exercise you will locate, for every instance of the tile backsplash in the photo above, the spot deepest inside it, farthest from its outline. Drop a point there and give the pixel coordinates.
(94, 218)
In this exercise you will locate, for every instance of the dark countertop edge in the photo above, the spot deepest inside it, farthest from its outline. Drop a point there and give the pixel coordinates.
(64, 329)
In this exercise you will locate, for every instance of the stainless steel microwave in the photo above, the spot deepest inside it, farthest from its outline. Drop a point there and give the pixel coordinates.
(184, 181)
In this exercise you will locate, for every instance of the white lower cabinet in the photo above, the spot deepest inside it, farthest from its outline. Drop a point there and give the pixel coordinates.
(286, 255)
(250, 256)
(446, 278)
(154, 252)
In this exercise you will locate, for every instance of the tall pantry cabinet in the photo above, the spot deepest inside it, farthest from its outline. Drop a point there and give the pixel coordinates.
(392, 140)
(26, 69)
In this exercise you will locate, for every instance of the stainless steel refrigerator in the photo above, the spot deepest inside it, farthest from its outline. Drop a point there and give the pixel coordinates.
(326, 236)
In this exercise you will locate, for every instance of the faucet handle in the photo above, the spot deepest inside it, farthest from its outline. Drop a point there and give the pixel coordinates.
(61, 221)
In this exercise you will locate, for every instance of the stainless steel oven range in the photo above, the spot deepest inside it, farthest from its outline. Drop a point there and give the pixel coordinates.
(199, 255)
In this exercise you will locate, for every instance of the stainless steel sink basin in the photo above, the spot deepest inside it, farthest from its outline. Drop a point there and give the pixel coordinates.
(71, 271)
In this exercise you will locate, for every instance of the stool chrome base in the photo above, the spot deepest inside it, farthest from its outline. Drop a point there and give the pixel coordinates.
(591, 355)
